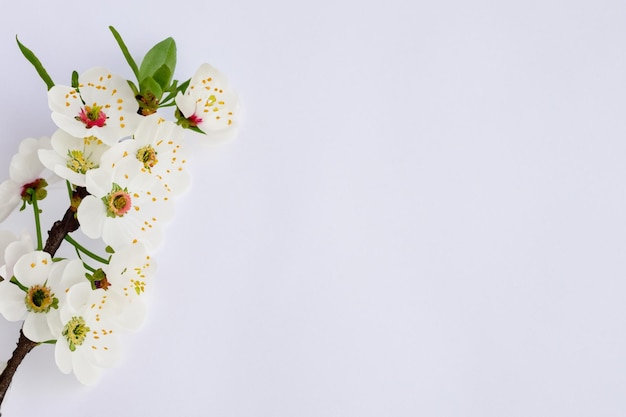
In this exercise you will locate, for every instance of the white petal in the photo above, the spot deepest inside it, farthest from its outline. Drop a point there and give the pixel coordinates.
(186, 104)
(99, 181)
(15, 250)
(50, 159)
(64, 99)
(25, 166)
(74, 273)
(36, 327)
(104, 352)
(33, 268)
(91, 216)
(86, 373)
(63, 356)
(12, 305)
(6, 238)
(10, 197)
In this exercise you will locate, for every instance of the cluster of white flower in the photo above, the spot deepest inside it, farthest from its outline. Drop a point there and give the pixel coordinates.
(124, 165)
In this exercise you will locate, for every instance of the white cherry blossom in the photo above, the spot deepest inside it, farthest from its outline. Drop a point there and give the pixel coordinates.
(86, 337)
(36, 299)
(157, 148)
(103, 106)
(129, 275)
(208, 103)
(25, 171)
(71, 157)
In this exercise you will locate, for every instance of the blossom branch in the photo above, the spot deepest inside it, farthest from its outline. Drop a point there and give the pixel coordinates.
(56, 235)
(68, 224)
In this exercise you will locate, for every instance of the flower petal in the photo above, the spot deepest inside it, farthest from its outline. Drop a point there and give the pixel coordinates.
(91, 215)
(12, 305)
(36, 327)
(86, 372)
(33, 268)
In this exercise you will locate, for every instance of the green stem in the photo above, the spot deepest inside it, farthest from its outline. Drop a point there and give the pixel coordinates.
(86, 251)
(37, 223)
(19, 284)
(70, 192)
(87, 267)
(81, 258)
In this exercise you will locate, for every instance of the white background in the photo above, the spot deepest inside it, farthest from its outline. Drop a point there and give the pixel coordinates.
(423, 213)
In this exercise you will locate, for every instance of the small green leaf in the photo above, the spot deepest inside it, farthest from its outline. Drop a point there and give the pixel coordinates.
(163, 54)
(122, 45)
(133, 87)
(149, 85)
(163, 76)
(109, 249)
(183, 87)
(75, 80)
(30, 56)
(196, 129)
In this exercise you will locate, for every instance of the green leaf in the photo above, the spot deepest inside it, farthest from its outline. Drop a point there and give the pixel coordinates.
(122, 45)
(183, 87)
(196, 129)
(30, 56)
(163, 54)
(163, 76)
(133, 87)
(149, 85)
(74, 79)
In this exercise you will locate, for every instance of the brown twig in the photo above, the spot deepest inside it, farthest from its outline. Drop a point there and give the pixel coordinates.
(24, 345)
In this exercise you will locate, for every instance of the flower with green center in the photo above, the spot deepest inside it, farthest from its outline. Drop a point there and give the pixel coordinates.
(148, 156)
(75, 332)
(208, 104)
(33, 294)
(103, 106)
(71, 157)
(158, 149)
(40, 299)
(77, 162)
(26, 177)
(86, 333)
(129, 275)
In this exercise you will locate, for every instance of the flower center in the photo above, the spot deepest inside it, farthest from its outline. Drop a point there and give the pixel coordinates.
(75, 331)
(194, 120)
(148, 156)
(77, 162)
(117, 202)
(140, 286)
(40, 299)
(92, 116)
